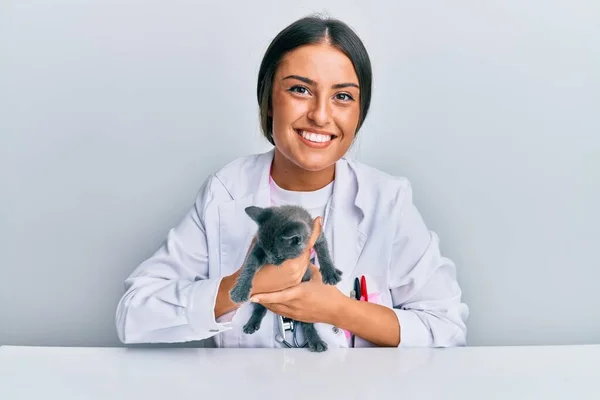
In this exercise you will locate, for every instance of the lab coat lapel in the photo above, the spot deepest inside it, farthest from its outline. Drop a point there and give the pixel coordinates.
(344, 229)
(236, 228)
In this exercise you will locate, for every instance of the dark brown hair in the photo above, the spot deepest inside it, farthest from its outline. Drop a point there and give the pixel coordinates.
(306, 31)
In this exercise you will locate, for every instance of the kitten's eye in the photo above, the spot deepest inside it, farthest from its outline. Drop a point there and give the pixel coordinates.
(293, 241)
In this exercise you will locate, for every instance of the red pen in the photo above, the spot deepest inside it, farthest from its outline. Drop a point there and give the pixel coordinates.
(363, 288)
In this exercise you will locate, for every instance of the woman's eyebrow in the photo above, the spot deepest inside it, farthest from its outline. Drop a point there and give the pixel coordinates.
(311, 82)
(344, 85)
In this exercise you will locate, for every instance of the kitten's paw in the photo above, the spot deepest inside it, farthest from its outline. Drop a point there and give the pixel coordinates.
(317, 345)
(239, 294)
(251, 326)
(331, 276)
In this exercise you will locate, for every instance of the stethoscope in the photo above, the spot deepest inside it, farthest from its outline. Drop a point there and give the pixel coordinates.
(285, 324)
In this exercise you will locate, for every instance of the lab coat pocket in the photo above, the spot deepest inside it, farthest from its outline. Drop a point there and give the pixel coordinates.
(376, 296)
(332, 335)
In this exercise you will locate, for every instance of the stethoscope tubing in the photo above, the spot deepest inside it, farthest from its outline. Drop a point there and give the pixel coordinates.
(280, 337)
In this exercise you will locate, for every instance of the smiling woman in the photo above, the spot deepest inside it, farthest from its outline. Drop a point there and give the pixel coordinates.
(314, 91)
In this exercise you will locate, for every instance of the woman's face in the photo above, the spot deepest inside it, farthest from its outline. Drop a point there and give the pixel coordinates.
(315, 106)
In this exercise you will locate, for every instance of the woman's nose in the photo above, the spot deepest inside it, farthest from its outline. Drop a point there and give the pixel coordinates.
(320, 113)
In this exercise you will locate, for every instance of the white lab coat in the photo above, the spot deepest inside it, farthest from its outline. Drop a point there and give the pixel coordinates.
(372, 227)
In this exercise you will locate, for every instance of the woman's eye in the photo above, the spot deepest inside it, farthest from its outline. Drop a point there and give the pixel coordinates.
(344, 97)
(299, 89)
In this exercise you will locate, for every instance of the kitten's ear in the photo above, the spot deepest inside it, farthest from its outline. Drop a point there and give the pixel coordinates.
(257, 214)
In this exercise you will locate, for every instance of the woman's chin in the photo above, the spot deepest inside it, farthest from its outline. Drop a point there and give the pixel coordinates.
(315, 162)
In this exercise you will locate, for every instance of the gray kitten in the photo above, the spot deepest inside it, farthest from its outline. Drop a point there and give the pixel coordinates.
(283, 233)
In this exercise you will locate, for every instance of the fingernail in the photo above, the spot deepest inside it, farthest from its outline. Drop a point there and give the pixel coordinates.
(253, 299)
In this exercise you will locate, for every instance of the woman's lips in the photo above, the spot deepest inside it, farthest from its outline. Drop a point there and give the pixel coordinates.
(315, 140)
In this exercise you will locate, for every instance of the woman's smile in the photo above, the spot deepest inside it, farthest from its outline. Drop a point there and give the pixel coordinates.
(315, 139)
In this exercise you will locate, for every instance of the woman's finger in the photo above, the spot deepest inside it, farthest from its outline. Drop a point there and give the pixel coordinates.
(317, 225)
(314, 271)
(280, 309)
(281, 296)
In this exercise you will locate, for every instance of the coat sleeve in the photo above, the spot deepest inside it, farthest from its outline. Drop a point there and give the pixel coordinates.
(425, 293)
(170, 297)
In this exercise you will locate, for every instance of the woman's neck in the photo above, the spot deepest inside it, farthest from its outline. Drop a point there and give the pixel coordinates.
(289, 176)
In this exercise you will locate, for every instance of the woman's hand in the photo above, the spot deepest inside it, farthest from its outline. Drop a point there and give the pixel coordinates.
(272, 278)
(314, 301)
(311, 301)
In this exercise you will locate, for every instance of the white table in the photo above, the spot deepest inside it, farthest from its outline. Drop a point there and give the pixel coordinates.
(553, 372)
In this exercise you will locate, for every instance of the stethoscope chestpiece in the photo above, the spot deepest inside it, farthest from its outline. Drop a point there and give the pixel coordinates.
(283, 325)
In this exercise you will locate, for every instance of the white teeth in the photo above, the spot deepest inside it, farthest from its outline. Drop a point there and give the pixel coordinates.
(316, 137)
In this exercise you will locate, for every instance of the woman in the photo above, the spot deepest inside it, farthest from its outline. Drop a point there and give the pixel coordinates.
(314, 89)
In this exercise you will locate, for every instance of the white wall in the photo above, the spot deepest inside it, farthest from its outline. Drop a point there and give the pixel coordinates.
(112, 113)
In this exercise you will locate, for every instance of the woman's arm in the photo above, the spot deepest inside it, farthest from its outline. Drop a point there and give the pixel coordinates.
(426, 297)
(223, 303)
(372, 322)
(170, 297)
(427, 310)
